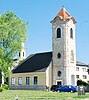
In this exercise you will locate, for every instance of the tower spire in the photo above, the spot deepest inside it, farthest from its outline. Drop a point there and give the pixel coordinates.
(64, 15)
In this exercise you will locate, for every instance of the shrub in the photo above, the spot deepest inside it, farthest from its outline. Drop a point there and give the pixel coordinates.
(5, 86)
(1, 89)
(80, 82)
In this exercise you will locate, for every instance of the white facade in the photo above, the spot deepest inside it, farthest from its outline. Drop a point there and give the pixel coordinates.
(82, 74)
(22, 54)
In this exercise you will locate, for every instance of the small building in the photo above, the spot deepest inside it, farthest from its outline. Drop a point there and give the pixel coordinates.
(42, 70)
(82, 71)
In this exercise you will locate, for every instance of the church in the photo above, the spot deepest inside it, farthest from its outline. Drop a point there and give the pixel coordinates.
(57, 67)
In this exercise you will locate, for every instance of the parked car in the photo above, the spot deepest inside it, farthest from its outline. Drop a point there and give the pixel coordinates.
(67, 88)
(54, 87)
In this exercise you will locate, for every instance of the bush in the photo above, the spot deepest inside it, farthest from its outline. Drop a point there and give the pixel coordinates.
(5, 86)
(1, 89)
(80, 82)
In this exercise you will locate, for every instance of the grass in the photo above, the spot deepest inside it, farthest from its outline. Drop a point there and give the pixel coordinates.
(39, 95)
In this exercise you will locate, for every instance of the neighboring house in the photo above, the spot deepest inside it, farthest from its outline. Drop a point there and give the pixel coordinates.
(42, 70)
(82, 71)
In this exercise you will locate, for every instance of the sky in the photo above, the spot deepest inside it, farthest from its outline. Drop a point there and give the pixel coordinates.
(39, 13)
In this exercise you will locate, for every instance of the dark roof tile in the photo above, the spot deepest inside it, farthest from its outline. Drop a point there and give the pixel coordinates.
(34, 63)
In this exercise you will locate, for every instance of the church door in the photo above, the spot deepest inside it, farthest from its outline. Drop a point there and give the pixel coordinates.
(59, 82)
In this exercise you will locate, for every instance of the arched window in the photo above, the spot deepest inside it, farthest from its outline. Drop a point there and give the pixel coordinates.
(59, 55)
(71, 33)
(72, 56)
(59, 73)
(59, 33)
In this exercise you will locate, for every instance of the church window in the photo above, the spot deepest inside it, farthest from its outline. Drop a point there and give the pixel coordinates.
(20, 81)
(71, 33)
(59, 33)
(72, 56)
(35, 79)
(13, 80)
(59, 55)
(27, 80)
(59, 73)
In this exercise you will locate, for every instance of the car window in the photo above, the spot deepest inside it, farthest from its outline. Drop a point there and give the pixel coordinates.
(64, 86)
(69, 86)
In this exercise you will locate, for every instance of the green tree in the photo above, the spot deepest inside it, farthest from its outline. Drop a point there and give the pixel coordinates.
(13, 32)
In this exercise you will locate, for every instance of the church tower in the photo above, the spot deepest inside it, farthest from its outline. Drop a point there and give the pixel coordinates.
(64, 49)
(22, 54)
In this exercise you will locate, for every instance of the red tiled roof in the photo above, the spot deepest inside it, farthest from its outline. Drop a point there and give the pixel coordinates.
(64, 15)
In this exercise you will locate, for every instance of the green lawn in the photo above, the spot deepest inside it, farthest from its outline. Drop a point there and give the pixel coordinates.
(38, 95)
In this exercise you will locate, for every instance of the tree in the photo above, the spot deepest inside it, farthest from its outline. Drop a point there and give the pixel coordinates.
(13, 32)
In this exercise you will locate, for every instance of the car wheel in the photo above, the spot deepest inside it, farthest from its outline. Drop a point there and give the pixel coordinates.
(52, 90)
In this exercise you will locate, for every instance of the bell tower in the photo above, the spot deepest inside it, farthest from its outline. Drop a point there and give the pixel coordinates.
(22, 54)
(64, 48)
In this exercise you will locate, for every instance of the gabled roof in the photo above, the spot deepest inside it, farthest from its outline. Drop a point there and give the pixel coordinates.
(35, 63)
(64, 15)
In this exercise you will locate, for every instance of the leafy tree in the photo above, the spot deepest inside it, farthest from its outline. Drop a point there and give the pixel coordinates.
(13, 31)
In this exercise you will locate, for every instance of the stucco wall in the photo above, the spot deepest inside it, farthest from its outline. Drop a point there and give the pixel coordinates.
(82, 72)
(64, 46)
(41, 80)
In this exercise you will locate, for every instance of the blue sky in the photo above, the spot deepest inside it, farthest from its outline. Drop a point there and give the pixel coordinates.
(39, 13)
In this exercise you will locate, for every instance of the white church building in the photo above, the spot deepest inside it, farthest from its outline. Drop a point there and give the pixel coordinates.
(59, 66)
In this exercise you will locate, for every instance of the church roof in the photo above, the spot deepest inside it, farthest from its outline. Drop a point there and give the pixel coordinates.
(38, 63)
(34, 63)
(64, 15)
